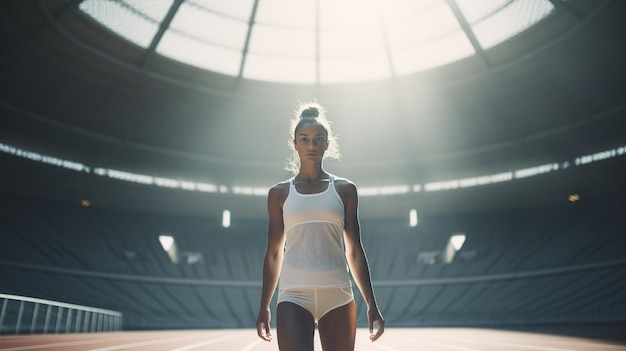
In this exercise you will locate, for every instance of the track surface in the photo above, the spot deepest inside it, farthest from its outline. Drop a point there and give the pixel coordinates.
(394, 339)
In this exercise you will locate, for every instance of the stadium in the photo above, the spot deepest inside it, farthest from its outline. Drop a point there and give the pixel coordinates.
(139, 140)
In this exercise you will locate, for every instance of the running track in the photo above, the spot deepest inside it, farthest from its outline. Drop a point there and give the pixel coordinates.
(420, 339)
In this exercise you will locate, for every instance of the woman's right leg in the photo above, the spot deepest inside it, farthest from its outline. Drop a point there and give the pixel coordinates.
(295, 327)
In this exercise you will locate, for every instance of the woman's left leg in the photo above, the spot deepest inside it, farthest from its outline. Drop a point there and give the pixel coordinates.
(337, 328)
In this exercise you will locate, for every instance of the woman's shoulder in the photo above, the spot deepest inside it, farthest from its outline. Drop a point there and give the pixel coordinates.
(344, 185)
(343, 181)
(280, 188)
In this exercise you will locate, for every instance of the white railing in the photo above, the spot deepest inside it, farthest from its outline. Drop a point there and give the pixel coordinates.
(21, 315)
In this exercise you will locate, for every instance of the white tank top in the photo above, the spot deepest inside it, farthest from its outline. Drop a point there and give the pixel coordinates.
(314, 248)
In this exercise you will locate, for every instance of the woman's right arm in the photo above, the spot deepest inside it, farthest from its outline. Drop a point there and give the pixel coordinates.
(273, 259)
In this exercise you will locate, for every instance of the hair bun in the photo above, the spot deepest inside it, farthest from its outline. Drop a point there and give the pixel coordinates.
(310, 112)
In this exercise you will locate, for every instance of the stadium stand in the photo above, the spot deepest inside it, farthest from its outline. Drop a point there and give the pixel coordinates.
(560, 263)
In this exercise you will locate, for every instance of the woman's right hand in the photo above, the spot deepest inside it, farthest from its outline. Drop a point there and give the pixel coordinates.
(263, 324)
(374, 317)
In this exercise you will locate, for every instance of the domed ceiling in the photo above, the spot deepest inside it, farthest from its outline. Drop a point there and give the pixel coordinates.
(317, 41)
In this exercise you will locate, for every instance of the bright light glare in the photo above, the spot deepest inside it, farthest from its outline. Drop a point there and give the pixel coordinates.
(169, 246)
(126, 176)
(207, 188)
(385, 190)
(600, 156)
(247, 190)
(226, 219)
(166, 183)
(274, 68)
(187, 185)
(533, 171)
(457, 241)
(34, 156)
(363, 191)
(413, 218)
(469, 182)
(166, 242)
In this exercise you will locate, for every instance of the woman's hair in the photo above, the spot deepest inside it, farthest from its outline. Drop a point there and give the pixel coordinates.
(310, 113)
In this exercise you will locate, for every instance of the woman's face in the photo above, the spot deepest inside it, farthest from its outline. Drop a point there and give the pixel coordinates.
(311, 141)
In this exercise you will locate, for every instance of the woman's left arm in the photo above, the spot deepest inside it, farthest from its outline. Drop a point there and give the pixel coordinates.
(357, 259)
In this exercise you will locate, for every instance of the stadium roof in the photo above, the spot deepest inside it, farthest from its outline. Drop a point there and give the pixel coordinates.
(547, 92)
(317, 41)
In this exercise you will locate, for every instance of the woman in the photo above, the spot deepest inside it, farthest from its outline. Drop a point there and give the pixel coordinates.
(312, 216)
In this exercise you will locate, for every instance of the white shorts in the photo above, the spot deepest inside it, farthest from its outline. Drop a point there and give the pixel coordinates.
(318, 301)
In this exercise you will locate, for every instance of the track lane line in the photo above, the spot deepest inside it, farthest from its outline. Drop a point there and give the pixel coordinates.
(206, 342)
(521, 346)
(252, 345)
(146, 343)
(56, 344)
(439, 344)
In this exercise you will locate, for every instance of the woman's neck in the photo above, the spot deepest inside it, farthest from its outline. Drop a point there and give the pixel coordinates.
(311, 174)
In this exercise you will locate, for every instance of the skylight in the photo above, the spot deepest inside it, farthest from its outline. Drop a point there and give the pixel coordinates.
(317, 41)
